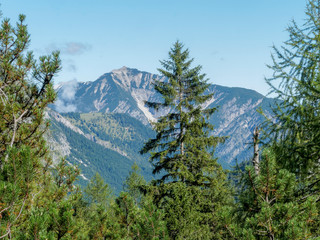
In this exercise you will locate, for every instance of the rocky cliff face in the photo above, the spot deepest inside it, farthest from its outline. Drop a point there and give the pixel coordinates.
(124, 91)
(120, 91)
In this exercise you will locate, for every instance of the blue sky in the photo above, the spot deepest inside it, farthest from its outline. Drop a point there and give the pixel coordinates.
(231, 39)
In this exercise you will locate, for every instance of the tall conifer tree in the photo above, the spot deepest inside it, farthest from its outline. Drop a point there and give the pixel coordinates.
(25, 90)
(294, 140)
(193, 184)
(35, 199)
(294, 126)
(296, 82)
(183, 148)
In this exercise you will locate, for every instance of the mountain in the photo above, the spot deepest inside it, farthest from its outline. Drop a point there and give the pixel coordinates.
(120, 91)
(99, 142)
(123, 91)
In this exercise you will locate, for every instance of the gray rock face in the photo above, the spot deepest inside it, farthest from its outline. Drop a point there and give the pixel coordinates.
(125, 90)
(120, 91)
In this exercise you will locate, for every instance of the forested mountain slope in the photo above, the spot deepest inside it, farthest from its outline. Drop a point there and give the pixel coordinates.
(124, 91)
(99, 142)
(109, 123)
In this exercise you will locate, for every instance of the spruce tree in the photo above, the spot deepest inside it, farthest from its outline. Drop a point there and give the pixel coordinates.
(192, 184)
(183, 148)
(97, 191)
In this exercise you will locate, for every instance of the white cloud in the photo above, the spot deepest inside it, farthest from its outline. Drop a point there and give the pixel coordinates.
(63, 107)
(75, 48)
(66, 97)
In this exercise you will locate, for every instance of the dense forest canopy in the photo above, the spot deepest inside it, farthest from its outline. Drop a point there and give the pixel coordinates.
(276, 196)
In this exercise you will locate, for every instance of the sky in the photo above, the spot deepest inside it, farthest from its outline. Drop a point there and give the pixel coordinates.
(232, 40)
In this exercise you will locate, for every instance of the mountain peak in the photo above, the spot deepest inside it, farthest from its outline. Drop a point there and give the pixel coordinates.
(128, 71)
(123, 69)
(125, 90)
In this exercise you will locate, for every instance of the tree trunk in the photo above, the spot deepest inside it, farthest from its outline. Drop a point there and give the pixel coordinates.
(255, 160)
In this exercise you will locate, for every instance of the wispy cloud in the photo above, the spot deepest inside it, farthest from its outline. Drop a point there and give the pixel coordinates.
(66, 97)
(74, 48)
(69, 48)
(70, 65)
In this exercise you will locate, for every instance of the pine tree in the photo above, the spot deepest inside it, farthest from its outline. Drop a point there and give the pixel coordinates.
(131, 221)
(193, 184)
(52, 212)
(25, 91)
(36, 198)
(135, 216)
(269, 208)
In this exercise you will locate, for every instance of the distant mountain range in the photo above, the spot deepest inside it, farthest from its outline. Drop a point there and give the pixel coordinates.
(109, 122)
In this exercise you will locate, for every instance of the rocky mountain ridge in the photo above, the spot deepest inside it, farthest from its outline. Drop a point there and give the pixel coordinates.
(124, 91)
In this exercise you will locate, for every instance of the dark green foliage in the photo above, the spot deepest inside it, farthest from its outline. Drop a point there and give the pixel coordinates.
(196, 213)
(151, 223)
(193, 185)
(133, 183)
(133, 222)
(48, 212)
(192, 197)
(293, 128)
(25, 90)
(136, 212)
(182, 144)
(96, 212)
(111, 165)
(97, 192)
(282, 201)
(182, 207)
(53, 210)
(137, 216)
(102, 217)
(269, 207)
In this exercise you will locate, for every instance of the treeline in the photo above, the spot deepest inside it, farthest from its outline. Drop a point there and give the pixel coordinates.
(275, 197)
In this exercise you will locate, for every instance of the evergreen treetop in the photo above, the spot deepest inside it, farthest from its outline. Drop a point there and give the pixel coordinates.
(183, 148)
(193, 186)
